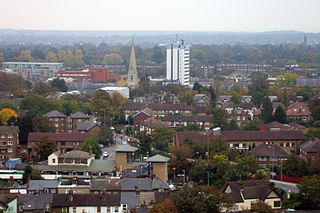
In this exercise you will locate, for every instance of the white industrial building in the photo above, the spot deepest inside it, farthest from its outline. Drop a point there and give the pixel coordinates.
(178, 62)
(124, 91)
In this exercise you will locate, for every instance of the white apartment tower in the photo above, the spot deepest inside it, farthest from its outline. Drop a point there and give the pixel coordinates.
(178, 62)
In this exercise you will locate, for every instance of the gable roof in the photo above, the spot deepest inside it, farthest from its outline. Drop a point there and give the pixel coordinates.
(5, 200)
(72, 137)
(201, 136)
(126, 148)
(66, 200)
(246, 106)
(9, 129)
(312, 145)
(154, 123)
(43, 184)
(131, 199)
(269, 150)
(275, 125)
(34, 202)
(54, 114)
(86, 126)
(130, 184)
(262, 135)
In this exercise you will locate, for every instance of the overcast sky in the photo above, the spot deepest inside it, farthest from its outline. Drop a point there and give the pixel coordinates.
(175, 15)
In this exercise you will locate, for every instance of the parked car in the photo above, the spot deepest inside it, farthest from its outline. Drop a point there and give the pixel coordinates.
(105, 154)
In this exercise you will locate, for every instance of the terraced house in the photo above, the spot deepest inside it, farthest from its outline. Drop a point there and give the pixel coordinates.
(9, 142)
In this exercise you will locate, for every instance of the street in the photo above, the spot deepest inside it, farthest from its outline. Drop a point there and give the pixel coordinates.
(286, 186)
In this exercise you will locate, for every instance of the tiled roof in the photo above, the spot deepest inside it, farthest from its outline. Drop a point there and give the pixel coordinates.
(183, 118)
(5, 200)
(269, 150)
(154, 123)
(246, 106)
(76, 154)
(78, 182)
(262, 135)
(36, 136)
(312, 145)
(79, 115)
(131, 199)
(296, 126)
(66, 200)
(31, 202)
(86, 126)
(9, 129)
(298, 109)
(126, 148)
(130, 184)
(276, 125)
(54, 114)
(201, 136)
(156, 107)
(157, 183)
(43, 184)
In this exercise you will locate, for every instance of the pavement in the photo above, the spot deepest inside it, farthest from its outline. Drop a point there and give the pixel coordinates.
(286, 186)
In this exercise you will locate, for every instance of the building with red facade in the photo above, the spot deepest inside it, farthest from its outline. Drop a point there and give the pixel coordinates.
(94, 75)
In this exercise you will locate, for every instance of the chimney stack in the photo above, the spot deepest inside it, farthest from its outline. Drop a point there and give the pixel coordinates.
(28, 180)
(74, 181)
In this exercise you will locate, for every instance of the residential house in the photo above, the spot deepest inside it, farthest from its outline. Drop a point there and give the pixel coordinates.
(268, 154)
(35, 203)
(299, 112)
(109, 203)
(89, 127)
(201, 136)
(181, 120)
(108, 185)
(245, 193)
(74, 163)
(310, 150)
(140, 117)
(42, 186)
(200, 100)
(59, 120)
(239, 115)
(65, 142)
(277, 126)
(8, 204)
(9, 142)
(150, 124)
(288, 140)
(223, 98)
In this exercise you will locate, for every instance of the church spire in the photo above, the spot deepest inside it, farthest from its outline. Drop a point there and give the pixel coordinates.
(132, 79)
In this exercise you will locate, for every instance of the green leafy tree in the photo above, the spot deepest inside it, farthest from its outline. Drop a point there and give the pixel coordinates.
(60, 84)
(167, 206)
(38, 105)
(232, 125)
(189, 127)
(266, 112)
(258, 89)
(42, 89)
(91, 145)
(253, 125)
(69, 107)
(42, 124)
(280, 115)
(101, 105)
(51, 57)
(45, 147)
(315, 109)
(105, 135)
(219, 117)
(201, 199)
(197, 86)
(294, 166)
(261, 207)
(162, 138)
(244, 168)
(179, 156)
(144, 143)
(309, 190)
(29, 172)
(112, 59)
(213, 97)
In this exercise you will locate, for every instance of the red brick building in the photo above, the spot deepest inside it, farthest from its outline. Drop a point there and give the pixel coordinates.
(299, 112)
(310, 150)
(94, 75)
(9, 142)
(268, 154)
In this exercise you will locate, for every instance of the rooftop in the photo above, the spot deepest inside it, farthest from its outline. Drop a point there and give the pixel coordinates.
(158, 159)
(126, 148)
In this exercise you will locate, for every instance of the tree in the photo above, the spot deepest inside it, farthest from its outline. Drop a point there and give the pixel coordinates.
(162, 138)
(280, 115)
(45, 147)
(6, 114)
(91, 145)
(112, 59)
(258, 89)
(144, 143)
(78, 58)
(167, 206)
(261, 207)
(197, 86)
(118, 101)
(232, 125)
(38, 105)
(178, 157)
(294, 166)
(213, 97)
(60, 84)
(62, 56)
(253, 125)
(219, 117)
(29, 172)
(315, 109)
(42, 124)
(266, 112)
(101, 105)
(244, 167)
(51, 57)
(309, 189)
(69, 107)
(25, 56)
(42, 89)
(201, 199)
(105, 135)
(8, 104)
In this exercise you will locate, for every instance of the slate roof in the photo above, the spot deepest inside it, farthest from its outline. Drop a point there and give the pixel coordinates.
(298, 109)
(312, 145)
(157, 183)
(66, 200)
(156, 107)
(106, 185)
(42, 184)
(253, 189)
(183, 118)
(262, 135)
(276, 125)
(246, 106)
(126, 148)
(79, 182)
(131, 199)
(5, 200)
(79, 115)
(86, 126)
(296, 126)
(31, 202)
(130, 184)
(71, 137)
(269, 150)
(9, 129)
(158, 159)
(54, 114)
(76, 154)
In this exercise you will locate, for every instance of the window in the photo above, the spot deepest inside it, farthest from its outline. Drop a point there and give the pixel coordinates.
(53, 160)
(56, 119)
(236, 207)
(10, 136)
(108, 209)
(10, 150)
(277, 204)
(74, 210)
(53, 190)
(3, 135)
(116, 209)
(56, 125)
(124, 207)
(10, 142)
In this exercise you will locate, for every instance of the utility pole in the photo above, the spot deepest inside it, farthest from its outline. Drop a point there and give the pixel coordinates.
(272, 160)
(208, 173)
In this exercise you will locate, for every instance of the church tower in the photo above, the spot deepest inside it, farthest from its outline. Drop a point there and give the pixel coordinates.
(133, 80)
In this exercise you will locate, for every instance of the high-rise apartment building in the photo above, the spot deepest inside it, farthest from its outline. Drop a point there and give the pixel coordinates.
(178, 62)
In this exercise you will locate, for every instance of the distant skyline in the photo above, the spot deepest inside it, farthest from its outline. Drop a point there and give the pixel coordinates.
(164, 15)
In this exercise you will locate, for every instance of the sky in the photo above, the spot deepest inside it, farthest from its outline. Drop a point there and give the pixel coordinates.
(172, 15)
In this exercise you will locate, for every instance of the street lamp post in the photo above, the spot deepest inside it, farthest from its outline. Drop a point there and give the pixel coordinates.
(184, 176)
(208, 173)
